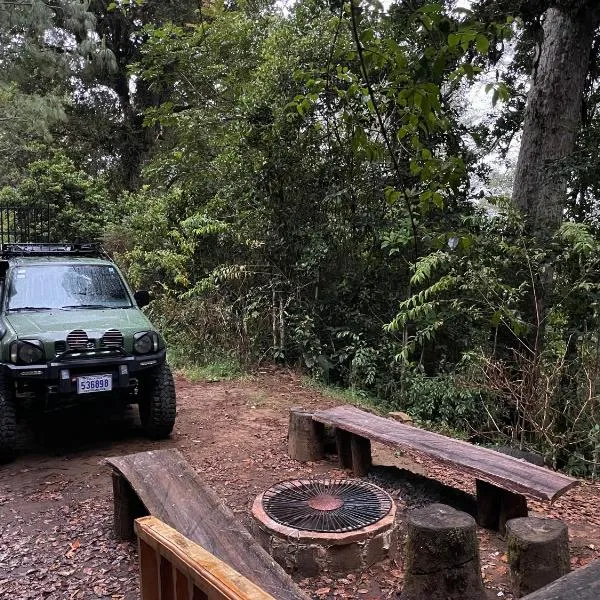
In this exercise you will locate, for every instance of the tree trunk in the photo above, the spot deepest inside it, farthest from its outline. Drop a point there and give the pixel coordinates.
(553, 115)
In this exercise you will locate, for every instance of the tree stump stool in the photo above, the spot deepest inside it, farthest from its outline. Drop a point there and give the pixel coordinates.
(442, 556)
(538, 553)
(305, 436)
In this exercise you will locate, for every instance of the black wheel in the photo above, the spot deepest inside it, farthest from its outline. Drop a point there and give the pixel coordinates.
(8, 424)
(157, 403)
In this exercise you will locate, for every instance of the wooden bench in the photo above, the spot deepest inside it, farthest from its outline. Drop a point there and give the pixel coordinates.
(163, 484)
(175, 568)
(582, 584)
(502, 482)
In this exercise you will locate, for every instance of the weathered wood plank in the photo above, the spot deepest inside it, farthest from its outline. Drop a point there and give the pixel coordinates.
(213, 577)
(582, 584)
(171, 491)
(501, 470)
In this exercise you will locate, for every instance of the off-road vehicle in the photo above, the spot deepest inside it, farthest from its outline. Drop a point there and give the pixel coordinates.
(71, 331)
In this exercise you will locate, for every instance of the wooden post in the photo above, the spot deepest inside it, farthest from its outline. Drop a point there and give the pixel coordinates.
(538, 553)
(360, 448)
(167, 582)
(512, 506)
(344, 449)
(149, 571)
(488, 504)
(442, 556)
(183, 586)
(495, 506)
(305, 436)
(127, 507)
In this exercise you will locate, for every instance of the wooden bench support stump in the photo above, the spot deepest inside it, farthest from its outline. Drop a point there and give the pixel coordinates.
(538, 553)
(442, 556)
(360, 448)
(496, 506)
(305, 436)
(344, 448)
(127, 507)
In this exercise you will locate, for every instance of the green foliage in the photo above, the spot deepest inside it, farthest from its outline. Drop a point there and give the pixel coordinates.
(353, 396)
(442, 400)
(79, 204)
(225, 369)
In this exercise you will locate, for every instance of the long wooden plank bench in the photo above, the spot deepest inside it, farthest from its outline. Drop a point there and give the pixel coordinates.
(163, 484)
(582, 584)
(502, 482)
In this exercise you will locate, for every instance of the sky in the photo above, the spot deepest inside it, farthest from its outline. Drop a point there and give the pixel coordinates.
(480, 110)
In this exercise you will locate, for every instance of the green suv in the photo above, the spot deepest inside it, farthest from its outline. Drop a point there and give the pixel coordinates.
(71, 331)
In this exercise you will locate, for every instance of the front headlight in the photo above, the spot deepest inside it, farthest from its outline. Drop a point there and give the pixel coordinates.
(145, 342)
(27, 352)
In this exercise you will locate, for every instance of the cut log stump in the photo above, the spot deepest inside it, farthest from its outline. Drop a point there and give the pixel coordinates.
(442, 556)
(538, 553)
(305, 436)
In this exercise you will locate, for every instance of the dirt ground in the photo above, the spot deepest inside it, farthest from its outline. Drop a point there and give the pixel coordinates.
(56, 539)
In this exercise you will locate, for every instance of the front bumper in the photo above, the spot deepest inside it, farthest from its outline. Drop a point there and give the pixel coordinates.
(59, 376)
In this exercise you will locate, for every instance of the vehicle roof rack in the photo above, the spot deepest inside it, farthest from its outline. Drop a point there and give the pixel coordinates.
(35, 249)
(27, 223)
(26, 230)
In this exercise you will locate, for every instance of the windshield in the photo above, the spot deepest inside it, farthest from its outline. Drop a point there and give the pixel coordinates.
(46, 287)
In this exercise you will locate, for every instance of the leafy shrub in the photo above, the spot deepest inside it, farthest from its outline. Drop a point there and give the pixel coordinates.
(441, 400)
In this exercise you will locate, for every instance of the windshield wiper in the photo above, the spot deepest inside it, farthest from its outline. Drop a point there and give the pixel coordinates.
(28, 308)
(72, 306)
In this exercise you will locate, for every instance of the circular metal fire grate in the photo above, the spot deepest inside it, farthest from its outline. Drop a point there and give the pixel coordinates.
(326, 505)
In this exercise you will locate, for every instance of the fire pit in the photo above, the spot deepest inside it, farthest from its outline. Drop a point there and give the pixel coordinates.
(312, 525)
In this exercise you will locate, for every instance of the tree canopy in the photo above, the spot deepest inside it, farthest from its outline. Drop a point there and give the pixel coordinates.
(301, 184)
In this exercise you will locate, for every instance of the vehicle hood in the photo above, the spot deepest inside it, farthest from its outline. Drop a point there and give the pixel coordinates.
(56, 324)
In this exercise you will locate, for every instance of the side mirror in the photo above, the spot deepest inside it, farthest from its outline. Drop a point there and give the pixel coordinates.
(142, 298)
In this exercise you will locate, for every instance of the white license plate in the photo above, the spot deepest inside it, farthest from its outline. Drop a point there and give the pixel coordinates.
(89, 384)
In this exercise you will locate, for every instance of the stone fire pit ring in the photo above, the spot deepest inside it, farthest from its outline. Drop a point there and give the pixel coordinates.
(311, 553)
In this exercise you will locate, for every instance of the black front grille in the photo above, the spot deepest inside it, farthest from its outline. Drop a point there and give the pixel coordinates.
(84, 353)
(60, 347)
(326, 505)
(77, 339)
(112, 339)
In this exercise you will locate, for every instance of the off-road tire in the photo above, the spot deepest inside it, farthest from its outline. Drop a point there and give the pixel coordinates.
(8, 424)
(157, 403)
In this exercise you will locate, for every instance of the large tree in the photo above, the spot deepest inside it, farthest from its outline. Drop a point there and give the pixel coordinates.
(70, 61)
(553, 112)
